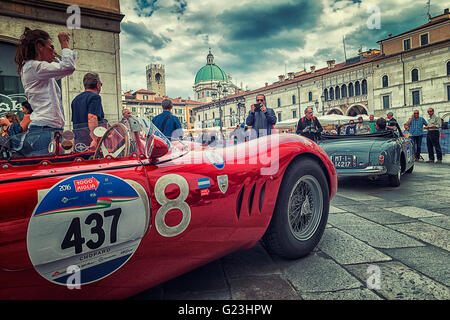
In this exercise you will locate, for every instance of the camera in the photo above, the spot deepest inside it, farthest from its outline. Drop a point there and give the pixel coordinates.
(257, 107)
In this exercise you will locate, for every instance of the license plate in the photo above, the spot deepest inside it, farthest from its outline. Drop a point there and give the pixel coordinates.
(344, 161)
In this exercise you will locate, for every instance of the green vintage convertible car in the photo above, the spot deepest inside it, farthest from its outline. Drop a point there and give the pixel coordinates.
(356, 149)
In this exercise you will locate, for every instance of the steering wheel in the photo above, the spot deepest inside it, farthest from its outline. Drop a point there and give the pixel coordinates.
(110, 142)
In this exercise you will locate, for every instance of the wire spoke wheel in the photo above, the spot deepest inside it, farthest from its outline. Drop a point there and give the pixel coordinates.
(305, 207)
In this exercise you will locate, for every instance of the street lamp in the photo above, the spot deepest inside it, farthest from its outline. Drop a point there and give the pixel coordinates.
(322, 97)
(220, 90)
(316, 104)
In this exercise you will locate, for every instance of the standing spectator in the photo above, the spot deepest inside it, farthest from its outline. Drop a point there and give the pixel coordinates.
(381, 125)
(13, 128)
(351, 128)
(26, 110)
(434, 123)
(416, 124)
(372, 124)
(392, 123)
(39, 69)
(87, 111)
(240, 134)
(167, 123)
(309, 126)
(361, 128)
(126, 114)
(406, 132)
(260, 118)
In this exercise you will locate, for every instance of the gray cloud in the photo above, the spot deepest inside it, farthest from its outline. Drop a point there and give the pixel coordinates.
(138, 33)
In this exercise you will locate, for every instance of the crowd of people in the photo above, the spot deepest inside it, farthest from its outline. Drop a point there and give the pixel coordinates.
(39, 69)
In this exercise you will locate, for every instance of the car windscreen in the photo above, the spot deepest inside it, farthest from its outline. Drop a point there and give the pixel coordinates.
(358, 129)
(117, 138)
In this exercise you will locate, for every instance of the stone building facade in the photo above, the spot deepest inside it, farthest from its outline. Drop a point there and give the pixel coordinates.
(418, 77)
(146, 103)
(156, 79)
(96, 42)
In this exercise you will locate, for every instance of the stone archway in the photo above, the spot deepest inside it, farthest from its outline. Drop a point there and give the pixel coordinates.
(355, 110)
(335, 111)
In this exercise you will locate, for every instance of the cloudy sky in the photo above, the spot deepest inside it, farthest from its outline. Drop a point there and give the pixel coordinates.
(254, 40)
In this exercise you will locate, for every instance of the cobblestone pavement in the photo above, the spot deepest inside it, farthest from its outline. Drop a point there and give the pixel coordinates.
(381, 243)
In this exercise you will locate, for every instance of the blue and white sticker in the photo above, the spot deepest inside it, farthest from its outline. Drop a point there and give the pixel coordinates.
(92, 221)
(203, 183)
(215, 159)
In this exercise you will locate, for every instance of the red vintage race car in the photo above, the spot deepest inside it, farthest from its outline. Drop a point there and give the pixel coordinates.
(139, 210)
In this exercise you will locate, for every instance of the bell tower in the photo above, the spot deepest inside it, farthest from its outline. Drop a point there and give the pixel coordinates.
(156, 79)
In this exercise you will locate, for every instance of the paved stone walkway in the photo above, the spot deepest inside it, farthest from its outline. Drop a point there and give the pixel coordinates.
(380, 243)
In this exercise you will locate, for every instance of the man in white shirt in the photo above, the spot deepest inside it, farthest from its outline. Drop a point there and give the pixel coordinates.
(39, 75)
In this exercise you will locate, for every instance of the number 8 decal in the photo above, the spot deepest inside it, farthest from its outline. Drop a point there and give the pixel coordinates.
(169, 204)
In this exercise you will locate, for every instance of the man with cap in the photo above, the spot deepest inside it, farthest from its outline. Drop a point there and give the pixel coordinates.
(391, 122)
(434, 123)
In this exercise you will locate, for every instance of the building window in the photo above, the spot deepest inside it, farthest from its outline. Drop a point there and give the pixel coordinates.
(337, 91)
(364, 86)
(448, 93)
(414, 75)
(325, 94)
(9, 80)
(424, 39)
(279, 117)
(198, 117)
(310, 97)
(350, 90)
(406, 44)
(415, 97)
(385, 102)
(344, 91)
(357, 88)
(294, 112)
(293, 99)
(385, 81)
(279, 102)
(331, 94)
(448, 68)
(214, 116)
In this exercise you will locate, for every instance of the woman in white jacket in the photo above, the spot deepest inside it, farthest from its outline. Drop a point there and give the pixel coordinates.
(39, 70)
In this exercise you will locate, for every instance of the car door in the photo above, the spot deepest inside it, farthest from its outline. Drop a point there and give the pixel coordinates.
(88, 215)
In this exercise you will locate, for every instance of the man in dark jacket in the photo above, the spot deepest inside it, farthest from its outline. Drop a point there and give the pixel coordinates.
(261, 118)
(309, 126)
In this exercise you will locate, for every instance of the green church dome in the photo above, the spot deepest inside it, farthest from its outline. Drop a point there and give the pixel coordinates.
(210, 71)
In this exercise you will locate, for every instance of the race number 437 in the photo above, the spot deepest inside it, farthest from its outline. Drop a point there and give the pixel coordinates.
(95, 221)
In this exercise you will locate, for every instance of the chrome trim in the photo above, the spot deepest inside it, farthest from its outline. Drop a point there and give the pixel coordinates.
(368, 171)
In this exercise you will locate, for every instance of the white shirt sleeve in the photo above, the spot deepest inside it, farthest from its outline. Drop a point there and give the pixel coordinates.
(58, 69)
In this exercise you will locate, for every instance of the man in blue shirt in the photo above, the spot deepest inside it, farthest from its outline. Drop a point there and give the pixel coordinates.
(416, 124)
(87, 111)
(167, 123)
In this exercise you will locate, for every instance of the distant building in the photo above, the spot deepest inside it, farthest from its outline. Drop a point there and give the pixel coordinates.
(156, 79)
(145, 103)
(409, 71)
(207, 80)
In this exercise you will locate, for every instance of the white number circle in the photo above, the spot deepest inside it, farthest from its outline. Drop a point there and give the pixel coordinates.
(169, 204)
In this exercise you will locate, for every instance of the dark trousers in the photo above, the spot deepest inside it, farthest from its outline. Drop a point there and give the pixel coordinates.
(418, 142)
(433, 141)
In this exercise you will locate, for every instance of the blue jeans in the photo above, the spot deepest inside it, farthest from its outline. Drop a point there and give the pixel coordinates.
(38, 139)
